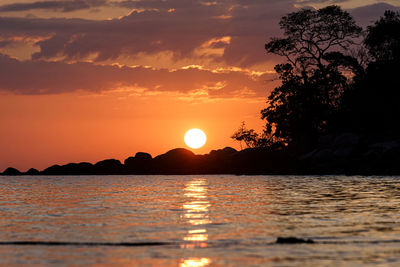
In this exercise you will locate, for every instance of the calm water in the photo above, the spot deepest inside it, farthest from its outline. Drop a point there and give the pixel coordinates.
(206, 220)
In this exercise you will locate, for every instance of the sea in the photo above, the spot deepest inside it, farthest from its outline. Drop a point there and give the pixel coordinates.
(199, 220)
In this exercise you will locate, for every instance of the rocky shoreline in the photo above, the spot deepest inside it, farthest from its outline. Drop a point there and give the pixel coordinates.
(346, 153)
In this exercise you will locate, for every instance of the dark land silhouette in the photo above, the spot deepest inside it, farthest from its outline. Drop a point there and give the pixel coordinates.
(347, 153)
(336, 111)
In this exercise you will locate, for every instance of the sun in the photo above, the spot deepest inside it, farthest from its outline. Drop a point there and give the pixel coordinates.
(195, 138)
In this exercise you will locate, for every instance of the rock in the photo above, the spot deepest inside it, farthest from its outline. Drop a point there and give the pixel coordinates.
(143, 155)
(139, 157)
(53, 170)
(308, 155)
(385, 146)
(325, 140)
(12, 172)
(371, 155)
(227, 151)
(346, 139)
(293, 240)
(323, 155)
(260, 161)
(83, 168)
(140, 164)
(32, 171)
(176, 161)
(176, 154)
(344, 152)
(109, 167)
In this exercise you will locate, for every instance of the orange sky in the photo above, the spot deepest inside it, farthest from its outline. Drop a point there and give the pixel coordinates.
(112, 78)
(42, 130)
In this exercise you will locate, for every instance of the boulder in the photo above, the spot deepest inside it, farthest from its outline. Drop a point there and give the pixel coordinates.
(176, 155)
(308, 155)
(83, 168)
(140, 164)
(143, 156)
(11, 172)
(346, 139)
(109, 167)
(344, 152)
(326, 140)
(385, 146)
(177, 161)
(324, 154)
(227, 151)
(32, 171)
(53, 170)
(293, 240)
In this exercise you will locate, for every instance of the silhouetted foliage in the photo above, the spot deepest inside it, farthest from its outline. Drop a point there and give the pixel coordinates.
(372, 106)
(312, 34)
(252, 139)
(383, 38)
(313, 79)
(248, 136)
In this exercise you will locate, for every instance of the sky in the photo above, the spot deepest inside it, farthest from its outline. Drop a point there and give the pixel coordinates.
(87, 80)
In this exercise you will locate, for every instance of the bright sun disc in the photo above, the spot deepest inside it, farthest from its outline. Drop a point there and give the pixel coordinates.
(195, 138)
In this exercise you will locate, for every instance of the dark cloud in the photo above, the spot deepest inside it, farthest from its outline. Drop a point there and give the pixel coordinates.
(368, 14)
(40, 77)
(63, 6)
(327, 2)
(238, 28)
(166, 26)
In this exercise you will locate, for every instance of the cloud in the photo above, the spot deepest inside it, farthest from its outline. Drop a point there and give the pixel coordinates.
(180, 28)
(63, 6)
(164, 26)
(226, 32)
(327, 2)
(366, 15)
(40, 77)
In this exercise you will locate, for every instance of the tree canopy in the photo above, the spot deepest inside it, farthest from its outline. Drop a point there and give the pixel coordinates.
(372, 105)
(383, 38)
(314, 46)
(310, 35)
(327, 90)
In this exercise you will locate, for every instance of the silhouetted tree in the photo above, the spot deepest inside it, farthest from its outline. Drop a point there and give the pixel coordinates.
(251, 138)
(313, 78)
(383, 38)
(248, 136)
(373, 106)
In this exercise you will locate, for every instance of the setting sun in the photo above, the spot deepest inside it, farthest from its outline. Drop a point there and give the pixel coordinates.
(195, 138)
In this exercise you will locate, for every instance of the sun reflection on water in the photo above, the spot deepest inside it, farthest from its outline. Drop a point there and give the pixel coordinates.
(196, 215)
(196, 262)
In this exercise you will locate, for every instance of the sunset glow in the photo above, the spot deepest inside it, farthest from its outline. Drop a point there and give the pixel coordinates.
(109, 79)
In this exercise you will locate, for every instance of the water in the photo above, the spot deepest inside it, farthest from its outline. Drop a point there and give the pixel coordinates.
(204, 220)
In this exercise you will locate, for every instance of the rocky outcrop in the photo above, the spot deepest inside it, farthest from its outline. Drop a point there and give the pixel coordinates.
(32, 171)
(12, 172)
(177, 161)
(83, 168)
(349, 153)
(141, 163)
(293, 240)
(109, 167)
(345, 153)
